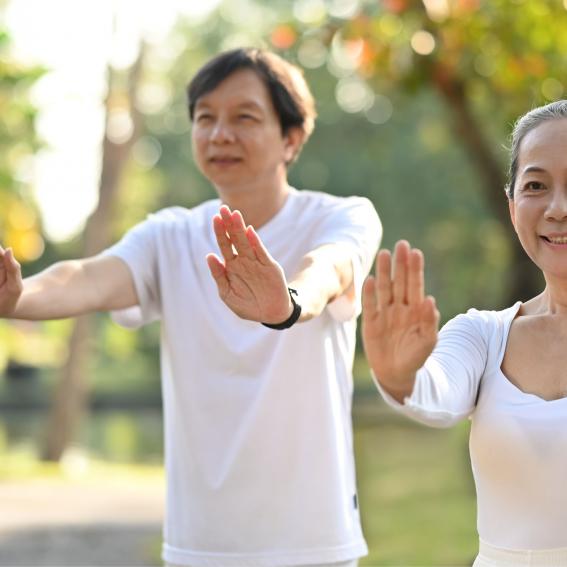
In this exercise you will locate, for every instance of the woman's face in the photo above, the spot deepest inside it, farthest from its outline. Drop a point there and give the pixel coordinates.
(539, 207)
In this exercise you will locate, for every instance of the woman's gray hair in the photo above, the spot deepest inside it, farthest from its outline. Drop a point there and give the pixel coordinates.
(524, 124)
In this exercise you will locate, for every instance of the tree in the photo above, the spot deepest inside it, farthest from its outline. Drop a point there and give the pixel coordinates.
(487, 61)
(72, 388)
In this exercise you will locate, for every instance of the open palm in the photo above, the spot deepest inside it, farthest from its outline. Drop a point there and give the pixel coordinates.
(399, 324)
(249, 280)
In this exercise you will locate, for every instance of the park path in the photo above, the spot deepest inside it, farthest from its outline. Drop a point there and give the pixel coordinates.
(104, 522)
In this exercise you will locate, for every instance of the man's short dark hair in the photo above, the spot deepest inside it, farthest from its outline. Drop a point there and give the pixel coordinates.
(290, 95)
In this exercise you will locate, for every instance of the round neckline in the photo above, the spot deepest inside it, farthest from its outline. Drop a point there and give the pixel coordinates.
(281, 212)
(516, 308)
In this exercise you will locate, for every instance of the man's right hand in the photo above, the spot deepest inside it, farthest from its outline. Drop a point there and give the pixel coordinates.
(250, 282)
(399, 324)
(11, 284)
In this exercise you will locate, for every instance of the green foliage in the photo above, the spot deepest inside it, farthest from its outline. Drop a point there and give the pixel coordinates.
(18, 141)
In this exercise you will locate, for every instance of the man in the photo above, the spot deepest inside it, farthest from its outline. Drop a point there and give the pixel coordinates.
(257, 359)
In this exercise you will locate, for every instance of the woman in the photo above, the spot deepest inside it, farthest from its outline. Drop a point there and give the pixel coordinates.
(507, 369)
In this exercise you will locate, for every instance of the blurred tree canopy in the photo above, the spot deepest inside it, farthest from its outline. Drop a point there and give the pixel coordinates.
(20, 225)
(486, 61)
(19, 221)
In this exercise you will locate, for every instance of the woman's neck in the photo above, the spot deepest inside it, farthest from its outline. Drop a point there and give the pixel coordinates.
(552, 301)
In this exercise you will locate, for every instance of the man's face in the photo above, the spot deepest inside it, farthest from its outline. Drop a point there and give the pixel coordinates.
(237, 139)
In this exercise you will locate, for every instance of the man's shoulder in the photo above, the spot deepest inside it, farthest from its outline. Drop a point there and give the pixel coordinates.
(319, 199)
(182, 216)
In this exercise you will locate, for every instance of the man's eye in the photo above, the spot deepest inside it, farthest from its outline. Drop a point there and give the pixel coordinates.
(204, 117)
(246, 117)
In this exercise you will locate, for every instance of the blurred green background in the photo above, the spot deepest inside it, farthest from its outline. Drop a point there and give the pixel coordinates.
(416, 100)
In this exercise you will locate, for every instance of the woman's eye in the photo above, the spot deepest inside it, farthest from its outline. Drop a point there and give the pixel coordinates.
(534, 186)
(204, 118)
(246, 117)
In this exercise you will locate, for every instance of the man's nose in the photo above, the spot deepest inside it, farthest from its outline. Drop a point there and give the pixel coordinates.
(221, 132)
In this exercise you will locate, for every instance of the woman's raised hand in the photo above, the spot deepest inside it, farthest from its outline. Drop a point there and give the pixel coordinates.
(399, 324)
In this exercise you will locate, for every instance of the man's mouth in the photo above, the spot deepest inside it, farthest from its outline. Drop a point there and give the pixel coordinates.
(224, 159)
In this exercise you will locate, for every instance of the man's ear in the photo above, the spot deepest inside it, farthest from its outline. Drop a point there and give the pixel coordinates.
(293, 140)
(512, 209)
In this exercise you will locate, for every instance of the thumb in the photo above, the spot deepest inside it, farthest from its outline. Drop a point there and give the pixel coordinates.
(429, 316)
(218, 271)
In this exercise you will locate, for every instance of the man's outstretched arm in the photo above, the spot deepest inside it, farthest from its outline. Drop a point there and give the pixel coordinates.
(254, 285)
(65, 289)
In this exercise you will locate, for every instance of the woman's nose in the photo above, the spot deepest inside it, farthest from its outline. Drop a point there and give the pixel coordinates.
(557, 208)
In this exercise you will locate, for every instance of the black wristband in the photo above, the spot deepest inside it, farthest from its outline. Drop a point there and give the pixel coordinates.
(292, 318)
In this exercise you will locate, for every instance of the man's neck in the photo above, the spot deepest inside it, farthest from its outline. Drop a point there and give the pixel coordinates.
(256, 207)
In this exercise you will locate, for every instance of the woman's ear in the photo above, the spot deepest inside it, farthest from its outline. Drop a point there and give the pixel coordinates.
(512, 209)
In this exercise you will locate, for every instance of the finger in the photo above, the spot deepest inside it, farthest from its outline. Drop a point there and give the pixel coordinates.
(383, 284)
(415, 291)
(226, 215)
(3, 269)
(429, 316)
(237, 234)
(400, 276)
(257, 245)
(223, 240)
(369, 299)
(12, 264)
(12, 273)
(217, 269)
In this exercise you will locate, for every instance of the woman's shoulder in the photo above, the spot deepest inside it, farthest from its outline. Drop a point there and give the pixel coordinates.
(483, 322)
(494, 316)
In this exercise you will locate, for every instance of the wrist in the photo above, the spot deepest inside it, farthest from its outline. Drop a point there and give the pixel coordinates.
(294, 316)
(398, 387)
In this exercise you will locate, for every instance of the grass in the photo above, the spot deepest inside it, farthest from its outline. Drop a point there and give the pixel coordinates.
(416, 492)
(22, 463)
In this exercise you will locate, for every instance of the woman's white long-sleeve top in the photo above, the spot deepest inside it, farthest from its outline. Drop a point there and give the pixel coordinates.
(518, 441)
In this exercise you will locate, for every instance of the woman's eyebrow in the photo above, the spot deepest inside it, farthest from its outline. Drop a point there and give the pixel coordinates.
(533, 168)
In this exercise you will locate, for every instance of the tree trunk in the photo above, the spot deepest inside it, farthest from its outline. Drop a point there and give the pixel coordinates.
(524, 279)
(71, 395)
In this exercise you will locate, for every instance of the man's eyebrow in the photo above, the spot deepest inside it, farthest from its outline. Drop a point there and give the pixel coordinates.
(250, 104)
(247, 104)
(201, 104)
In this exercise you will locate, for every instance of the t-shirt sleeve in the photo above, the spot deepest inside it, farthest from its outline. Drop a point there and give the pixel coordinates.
(446, 387)
(138, 249)
(354, 224)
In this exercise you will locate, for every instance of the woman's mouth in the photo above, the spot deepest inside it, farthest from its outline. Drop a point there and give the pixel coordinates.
(557, 240)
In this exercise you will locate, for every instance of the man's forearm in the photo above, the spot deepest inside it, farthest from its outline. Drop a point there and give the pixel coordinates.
(60, 291)
(324, 274)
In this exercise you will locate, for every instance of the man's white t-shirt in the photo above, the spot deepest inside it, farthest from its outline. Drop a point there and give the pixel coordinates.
(258, 435)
